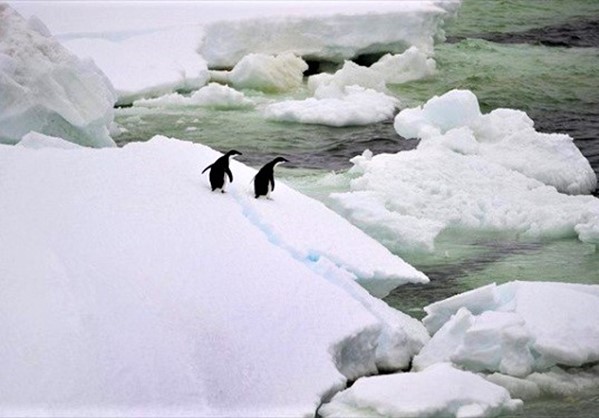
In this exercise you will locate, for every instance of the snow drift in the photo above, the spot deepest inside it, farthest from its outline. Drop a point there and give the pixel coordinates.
(131, 289)
(471, 171)
(45, 88)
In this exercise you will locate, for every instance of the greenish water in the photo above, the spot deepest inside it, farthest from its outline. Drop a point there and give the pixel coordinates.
(481, 16)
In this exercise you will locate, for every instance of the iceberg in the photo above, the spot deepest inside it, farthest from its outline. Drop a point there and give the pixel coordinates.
(46, 88)
(332, 36)
(472, 171)
(150, 64)
(131, 289)
(439, 391)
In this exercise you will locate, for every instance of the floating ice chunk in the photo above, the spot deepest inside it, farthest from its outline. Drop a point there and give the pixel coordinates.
(357, 29)
(440, 114)
(47, 89)
(150, 64)
(506, 137)
(143, 293)
(353, 106)
(268, 73)
(350, 74)
(517, 328)
(471, 171)
(435, 188)
(440, 390)
(213, 95)
(412, 64)
(390, 69)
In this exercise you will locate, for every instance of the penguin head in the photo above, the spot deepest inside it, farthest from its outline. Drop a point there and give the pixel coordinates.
(232, 153)
(279, 160)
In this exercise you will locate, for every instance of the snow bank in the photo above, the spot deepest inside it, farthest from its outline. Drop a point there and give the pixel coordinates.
(352, 106)
(46, 88)
(515, 328)
(213, 95)
(150, 64)
(129, 288)
(440, 390)
(385, 27)
(472, 171)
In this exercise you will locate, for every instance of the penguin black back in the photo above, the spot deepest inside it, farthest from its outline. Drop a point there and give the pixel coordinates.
(264, 182)
(219, 171)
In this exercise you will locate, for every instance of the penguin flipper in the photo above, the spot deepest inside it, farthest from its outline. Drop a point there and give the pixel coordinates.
(203, 171)
(230, 174)
(272, 183)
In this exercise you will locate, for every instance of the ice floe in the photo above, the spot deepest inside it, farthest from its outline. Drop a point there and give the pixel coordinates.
(471, 171)
(348, 106)
(515, 328)
(213, 95)
(439, 391)
(44, 87)
(135, 290)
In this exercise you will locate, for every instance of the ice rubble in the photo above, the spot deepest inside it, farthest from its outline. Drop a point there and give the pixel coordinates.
(350, 106)
(473, 171)
(354, 95)
(213, 95)
(440, 390)
(46, 88)
(148, 64)
(129, 288)
(519, 333)
(390, 27)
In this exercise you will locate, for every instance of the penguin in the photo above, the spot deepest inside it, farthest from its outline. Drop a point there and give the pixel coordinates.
(264, 182)
(219, 170)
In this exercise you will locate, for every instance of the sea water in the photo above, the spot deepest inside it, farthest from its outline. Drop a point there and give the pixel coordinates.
(538, 56)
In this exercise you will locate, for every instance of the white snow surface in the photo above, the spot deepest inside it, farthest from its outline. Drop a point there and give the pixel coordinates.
(129, 288)
(471, 171)
(213, 95)
(150, 64)
(514, 329)
(379, 27)
(45, 88)
(439, 391)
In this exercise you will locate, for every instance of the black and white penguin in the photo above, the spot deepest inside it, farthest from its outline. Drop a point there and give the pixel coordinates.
(219, 170)
(264, 182)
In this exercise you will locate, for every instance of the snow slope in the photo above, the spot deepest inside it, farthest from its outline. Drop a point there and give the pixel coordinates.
(129, 288)
(44, 87)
